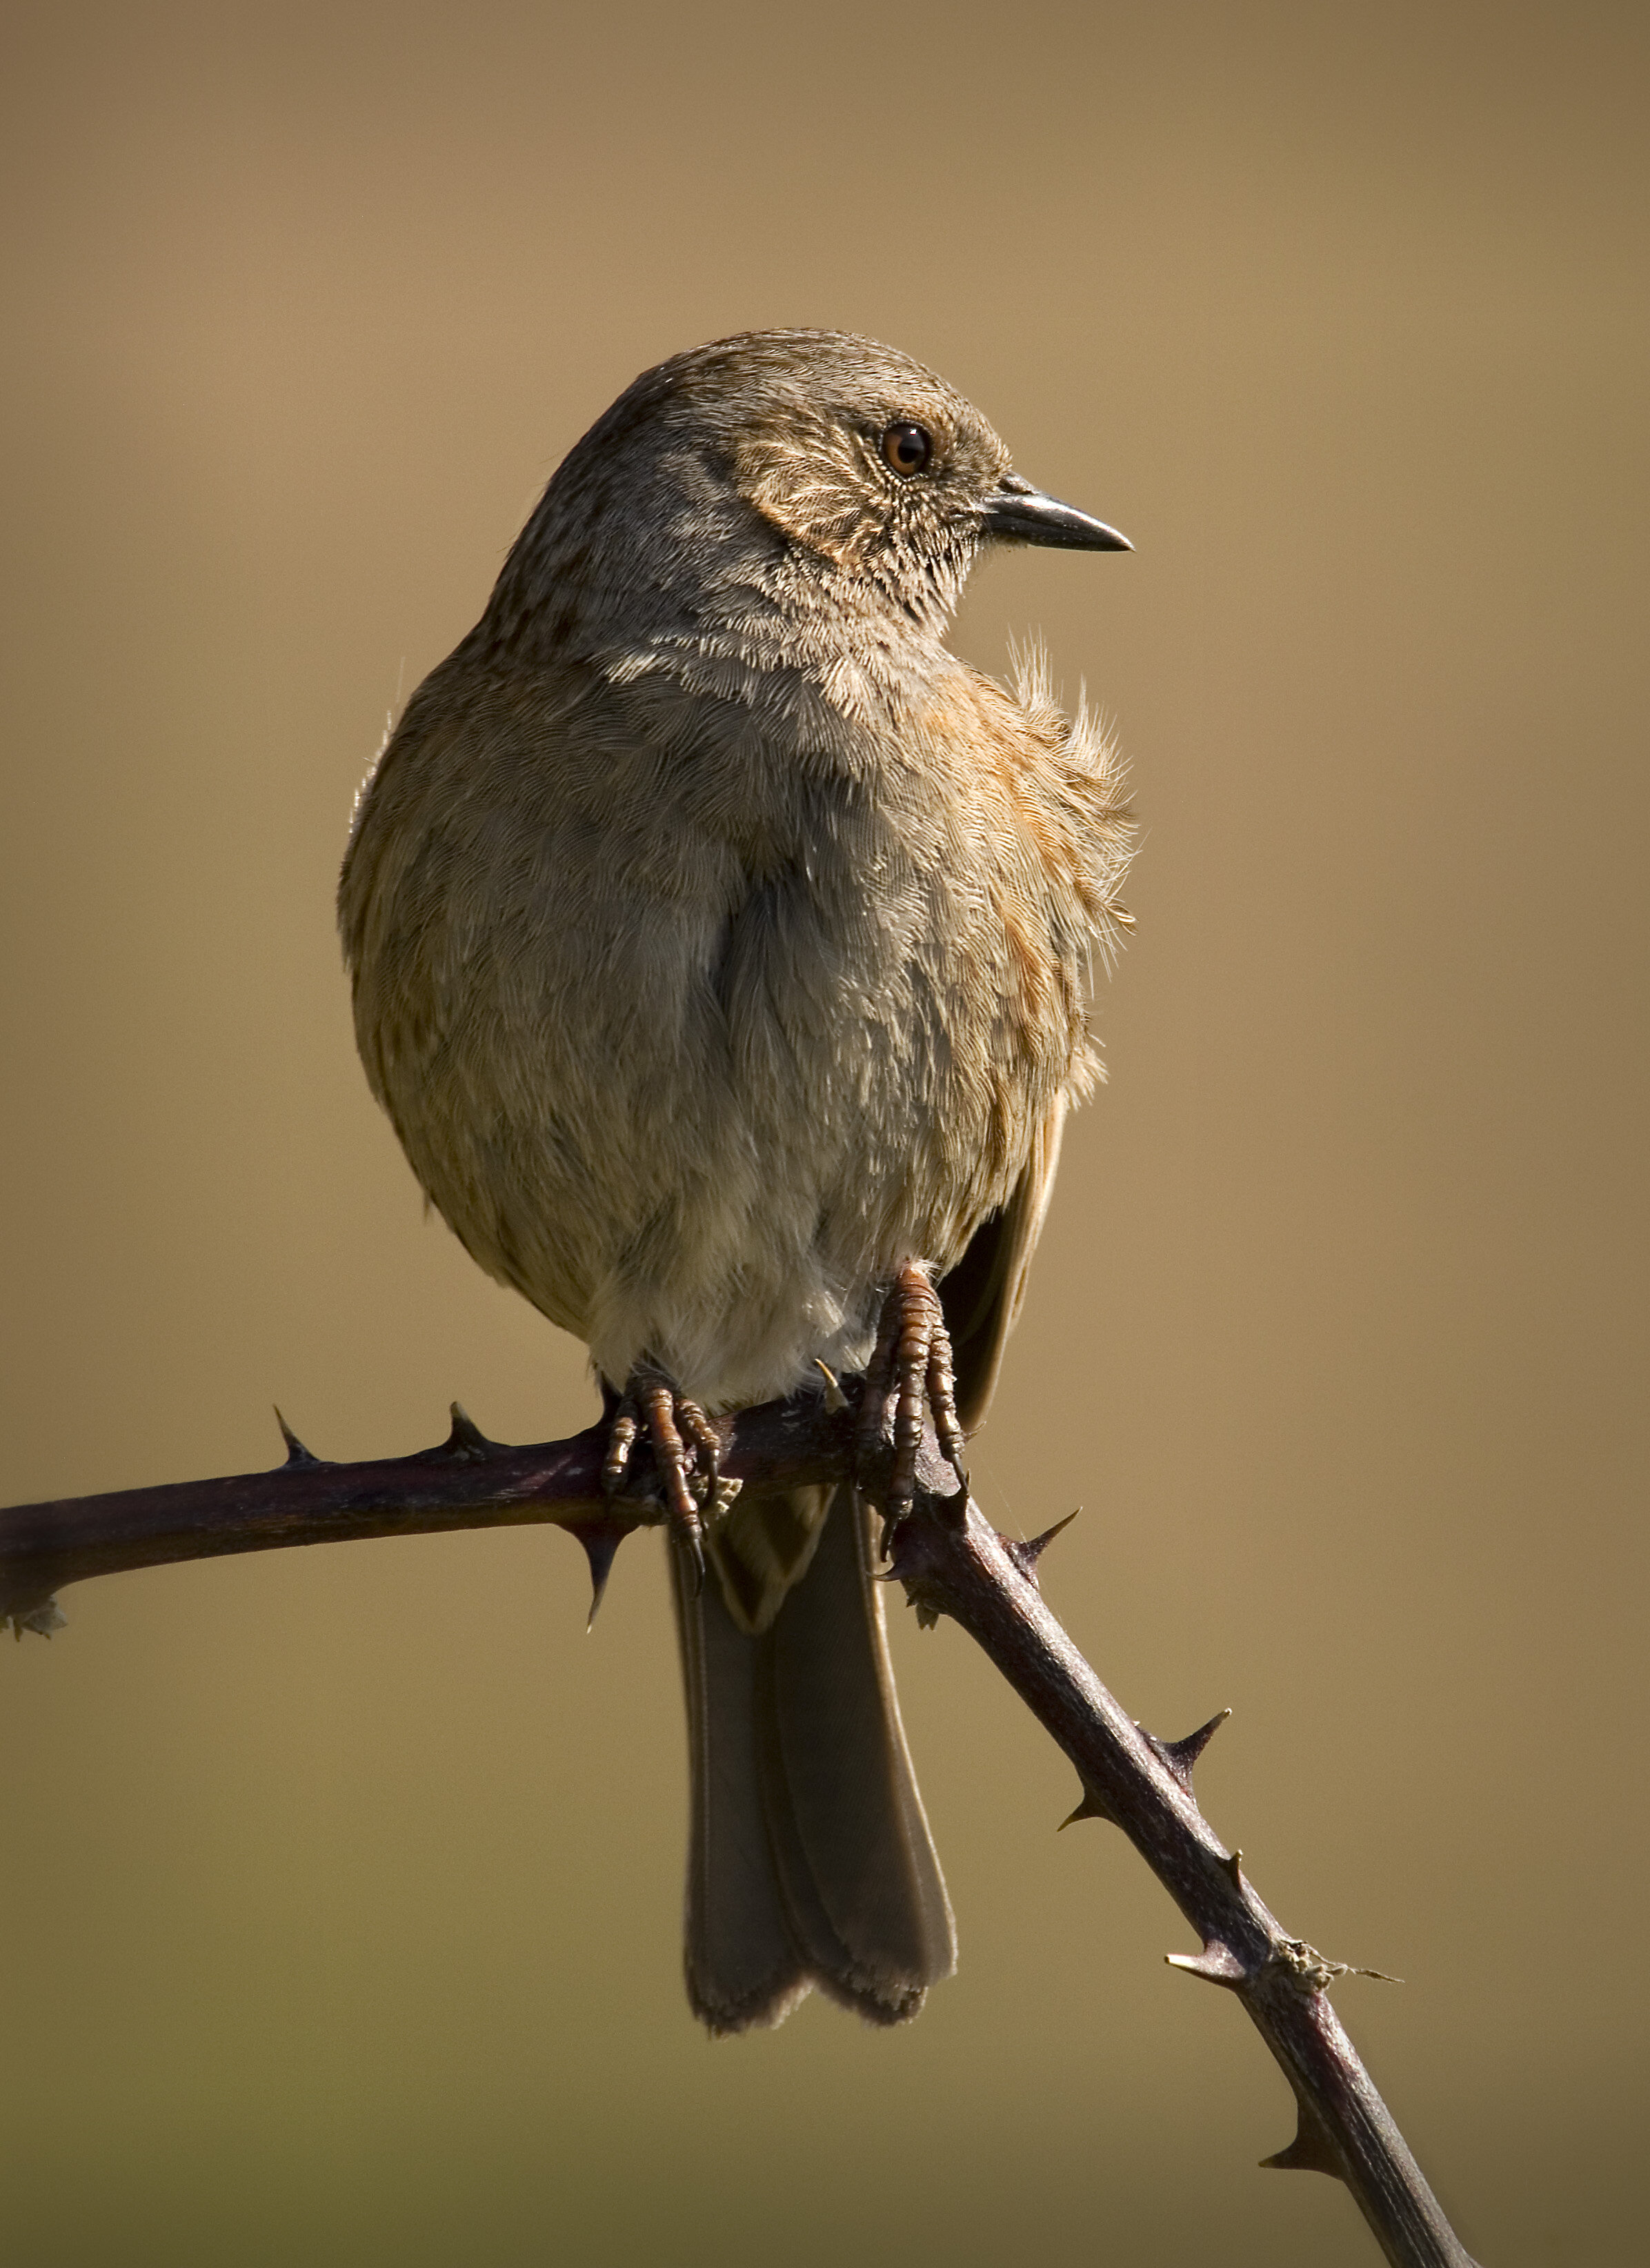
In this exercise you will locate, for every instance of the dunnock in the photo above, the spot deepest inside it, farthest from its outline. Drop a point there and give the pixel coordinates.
(719, 944)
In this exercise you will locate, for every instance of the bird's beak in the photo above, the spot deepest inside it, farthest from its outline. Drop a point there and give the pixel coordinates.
(1015, 512)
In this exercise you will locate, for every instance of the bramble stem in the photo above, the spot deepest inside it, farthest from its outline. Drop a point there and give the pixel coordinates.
(951, 1562)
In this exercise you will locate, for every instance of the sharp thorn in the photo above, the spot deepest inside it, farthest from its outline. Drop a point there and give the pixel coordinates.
(296, 1453)
(467, 1438)
(1186, 1752)
(1039, 1544)
(1310, 2152)
(1181, 1755)
(1026, 1552)
(1092, 1807)
(1216, 1964)
(600, 1540)
(1234, 1865)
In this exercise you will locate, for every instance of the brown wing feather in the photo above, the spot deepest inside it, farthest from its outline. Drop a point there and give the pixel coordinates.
(982, 1294)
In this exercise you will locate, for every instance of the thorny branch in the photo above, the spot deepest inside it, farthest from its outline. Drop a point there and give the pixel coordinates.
(951, 1562)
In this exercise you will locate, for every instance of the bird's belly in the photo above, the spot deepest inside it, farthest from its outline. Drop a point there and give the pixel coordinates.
(709, 1138)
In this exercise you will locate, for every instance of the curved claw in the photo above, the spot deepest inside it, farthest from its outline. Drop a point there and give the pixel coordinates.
(690, 1543)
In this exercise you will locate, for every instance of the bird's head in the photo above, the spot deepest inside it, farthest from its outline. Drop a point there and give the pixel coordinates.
(810, 476)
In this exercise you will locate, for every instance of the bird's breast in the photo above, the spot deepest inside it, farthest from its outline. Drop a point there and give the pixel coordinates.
(694, 1036)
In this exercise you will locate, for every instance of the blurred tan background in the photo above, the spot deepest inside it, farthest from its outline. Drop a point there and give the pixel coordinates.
(340, 1887)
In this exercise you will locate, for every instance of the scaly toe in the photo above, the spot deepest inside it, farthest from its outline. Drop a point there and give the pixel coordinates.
(621, 1441)
(707, 1444)
(913, 1361)
(686, 1471)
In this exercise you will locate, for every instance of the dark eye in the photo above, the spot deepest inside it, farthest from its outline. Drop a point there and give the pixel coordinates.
(906, 449)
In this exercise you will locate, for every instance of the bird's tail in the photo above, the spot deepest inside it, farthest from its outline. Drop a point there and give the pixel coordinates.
(809, 1860)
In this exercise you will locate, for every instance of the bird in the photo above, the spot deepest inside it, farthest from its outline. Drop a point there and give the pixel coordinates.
(720, 945)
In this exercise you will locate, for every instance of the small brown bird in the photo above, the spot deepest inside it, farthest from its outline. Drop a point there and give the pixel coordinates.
(719, 944)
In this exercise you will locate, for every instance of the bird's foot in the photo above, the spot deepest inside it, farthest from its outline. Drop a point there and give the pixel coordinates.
(913, 1363)
(687, 1456)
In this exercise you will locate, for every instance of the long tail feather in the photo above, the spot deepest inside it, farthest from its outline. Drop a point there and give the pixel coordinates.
(810, 1861)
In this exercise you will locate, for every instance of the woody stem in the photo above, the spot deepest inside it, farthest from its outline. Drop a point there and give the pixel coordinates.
(1144, 1786)
(958, 1567)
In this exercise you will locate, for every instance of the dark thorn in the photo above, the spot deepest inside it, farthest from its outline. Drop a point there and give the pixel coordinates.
(1234, 1865)
(601, 1539)
(1039, 1544)
(1310, 2152)
(1181, 1755)
(1216, 1964)
(1092, 1807)
(927, 1618)
(467, 1438)
(1186, 1752)
(296, 1453)
(1026, 1553)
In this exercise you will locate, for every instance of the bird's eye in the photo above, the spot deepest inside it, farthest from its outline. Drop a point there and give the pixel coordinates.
(906, 449)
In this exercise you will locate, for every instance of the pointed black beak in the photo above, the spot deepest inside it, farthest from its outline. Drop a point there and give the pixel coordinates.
(1015, 512)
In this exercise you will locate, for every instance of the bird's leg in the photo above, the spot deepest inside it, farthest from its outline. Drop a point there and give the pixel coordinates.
(912, 1361)
(651, 1403)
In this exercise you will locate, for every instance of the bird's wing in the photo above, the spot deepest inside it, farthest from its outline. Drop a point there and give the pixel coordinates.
(980, 1295)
